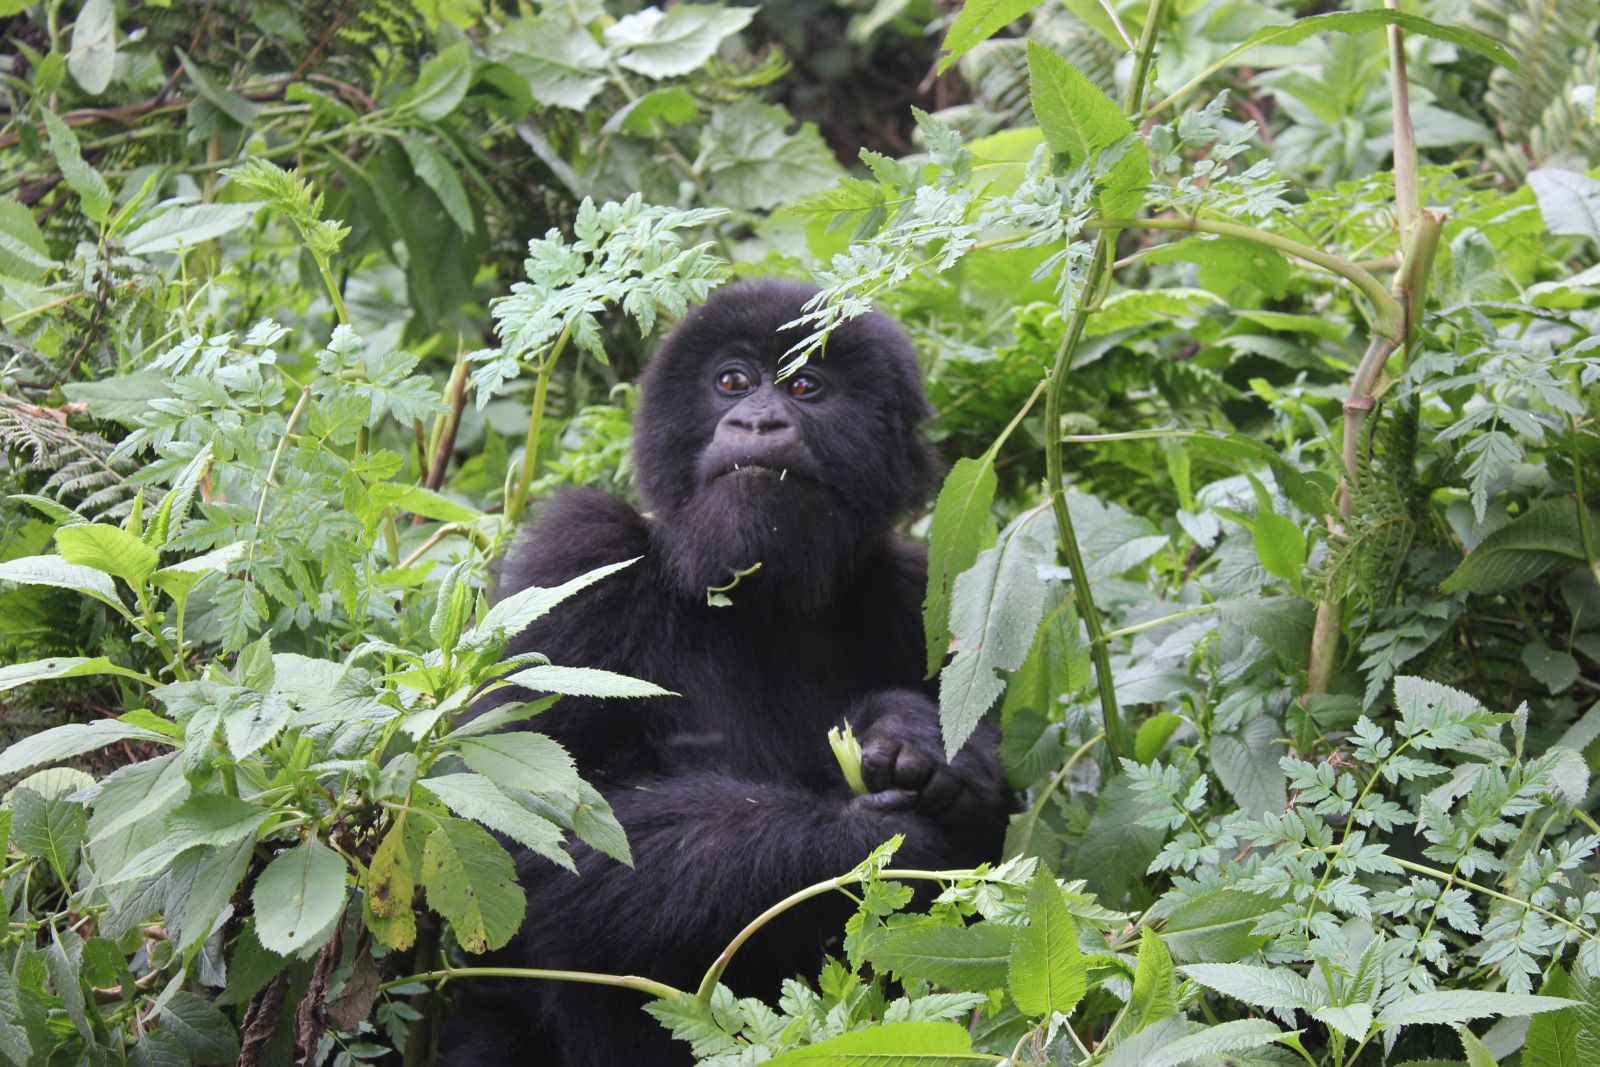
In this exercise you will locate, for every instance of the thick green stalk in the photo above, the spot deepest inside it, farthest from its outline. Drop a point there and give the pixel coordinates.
(530, 447)
(619, 981)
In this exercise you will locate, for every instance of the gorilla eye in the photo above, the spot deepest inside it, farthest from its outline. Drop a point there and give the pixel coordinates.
(804, 386)
(733, 382)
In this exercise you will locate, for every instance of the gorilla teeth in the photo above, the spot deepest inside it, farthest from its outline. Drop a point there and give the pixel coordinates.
(784, 474)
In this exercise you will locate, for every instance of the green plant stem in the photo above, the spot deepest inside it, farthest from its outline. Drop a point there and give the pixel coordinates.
(1140, 627)
(277, 455)
(339, 310)
(530, 448)
(1056, 487)
(1030, 818)
(1586, 535)
(1504, 898)
(1126, 435)
(1389, 316)
(708, 984)
(1142, 55)
(619, 981)
(1407, 190)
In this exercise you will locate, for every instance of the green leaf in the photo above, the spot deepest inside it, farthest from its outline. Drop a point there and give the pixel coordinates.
(995, 609)
(1116, 849)
(674, 43)
(1352, 1020)
(585, 682)
(1280, 544)
(212, 819)
(1239, 1036)
(1544, 537)
(298, 897)
(976, 22)
(1282, 623)
(442, 83)
(1247, 766)
(961, 957)
(23, 252)
(1362, 21)
(1079, 121)
(523, 760)
(1568, 200)
(1153, 735)
(254, 721)
(597, 826)
(1047, 973)
(470, 880)
(51, 828)
(1155, 983)
(1229, 266)
(184, 227)
(17, 674)
(1452, 1006)
(518, 611)
(93, 55)
(560, 64)
(753, 162)
(80, 177)
(1260, 987)
(14, 1042)
(438, 174)
(1217, 925)
(225, 100)
(419, 500)
(961, 525)
(108, 548)
(73, 739)
(200, 1027)
(125, 398)
(180, 578)
(473, 796)
(673, 106)
(1555, 1037)
(890, 1045)
(1554, 668)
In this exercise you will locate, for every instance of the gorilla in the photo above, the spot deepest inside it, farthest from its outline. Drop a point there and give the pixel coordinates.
(729, 792)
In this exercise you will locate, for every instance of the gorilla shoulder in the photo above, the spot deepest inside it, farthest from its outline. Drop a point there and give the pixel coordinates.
(576, 531)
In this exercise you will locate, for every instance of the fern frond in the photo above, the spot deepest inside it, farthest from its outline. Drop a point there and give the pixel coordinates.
(1365, 557)
(1554, 41)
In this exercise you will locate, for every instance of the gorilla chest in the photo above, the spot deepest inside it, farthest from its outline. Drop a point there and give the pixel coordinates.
(760, 695)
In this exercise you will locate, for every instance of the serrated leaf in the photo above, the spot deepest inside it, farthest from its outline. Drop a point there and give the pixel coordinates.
(202, 1030)
(515, 613)
(73, 739)
(1238, 1036)
(890, 1045)
(51, 828)
(80, 177)
(976, 22)
(298, 896)
(961, 957)
(470, 880)
(1247, 766)
(1450, 1006)
(1047, 973)
(439, 174)
(961, 523)
(1261, 987)
(107, 548)
(16, 674)
(1546, 536)
(184, 227)
(1568, 200)
(1155, 985)
(562, 65)
(441, 84)
(1554, 1036)
(585, 682)
(225, 100)
(473, 796)
(1554, 668)
(1352, 1020)
(1362, 21)
(1079, 121)
(1217, 925)
(677, 42)
(93, 55)
(522, 760)
(391, 884)
(55, 571)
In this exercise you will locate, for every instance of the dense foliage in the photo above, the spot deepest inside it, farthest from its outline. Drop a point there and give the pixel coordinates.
(1262, 337)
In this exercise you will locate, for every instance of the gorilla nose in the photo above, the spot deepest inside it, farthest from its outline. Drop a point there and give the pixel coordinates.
(759, 419)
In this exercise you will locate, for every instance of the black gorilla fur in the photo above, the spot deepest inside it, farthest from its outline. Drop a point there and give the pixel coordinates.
(729, 793)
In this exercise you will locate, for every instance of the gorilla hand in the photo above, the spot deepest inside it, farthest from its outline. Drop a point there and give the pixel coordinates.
(904, 767)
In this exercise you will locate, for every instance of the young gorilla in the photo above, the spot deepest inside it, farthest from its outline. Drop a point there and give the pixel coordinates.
(729, 793)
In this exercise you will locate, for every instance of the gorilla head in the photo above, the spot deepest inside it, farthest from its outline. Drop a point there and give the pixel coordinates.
(800, 474)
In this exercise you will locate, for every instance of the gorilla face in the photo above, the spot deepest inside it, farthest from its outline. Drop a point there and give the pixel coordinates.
(801, 474)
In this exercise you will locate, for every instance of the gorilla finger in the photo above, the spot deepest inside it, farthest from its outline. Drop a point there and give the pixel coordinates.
(912, 768)
(944, 788)
(887, 800)
(878, 758)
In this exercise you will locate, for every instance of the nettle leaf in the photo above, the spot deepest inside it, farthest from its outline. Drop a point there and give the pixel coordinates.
(1545, 537)
(470, 880)
(298, 897)
(961, 957)
(16, 674)
(1451, 1006)
(1568, 200)
(108, 548)
(1079, 121)
(1247, 766)
(1363, 21)
(976, 22)
(473, 796)
(1261, 987)
(200, 1028)
(80, 177)
(442, 82)
(523, 760)
(1047, 973)
(439, 174)
(73, 739)
(753, 162)
(1155, 982)
(1169, 1045)
(182, 227)
(517, 612)
(890, 1045)
(1229, 266)
(674, 43)
(961, 525)
(50, 827)
(995, 609)
(55, 571)
(585, 682)
(1217, 925)
(561, 64)
(1558, 1038)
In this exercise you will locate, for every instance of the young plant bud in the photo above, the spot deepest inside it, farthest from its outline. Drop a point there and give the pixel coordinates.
(847, 750)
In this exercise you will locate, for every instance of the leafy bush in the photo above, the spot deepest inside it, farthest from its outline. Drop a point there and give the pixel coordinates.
(1270, 533)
